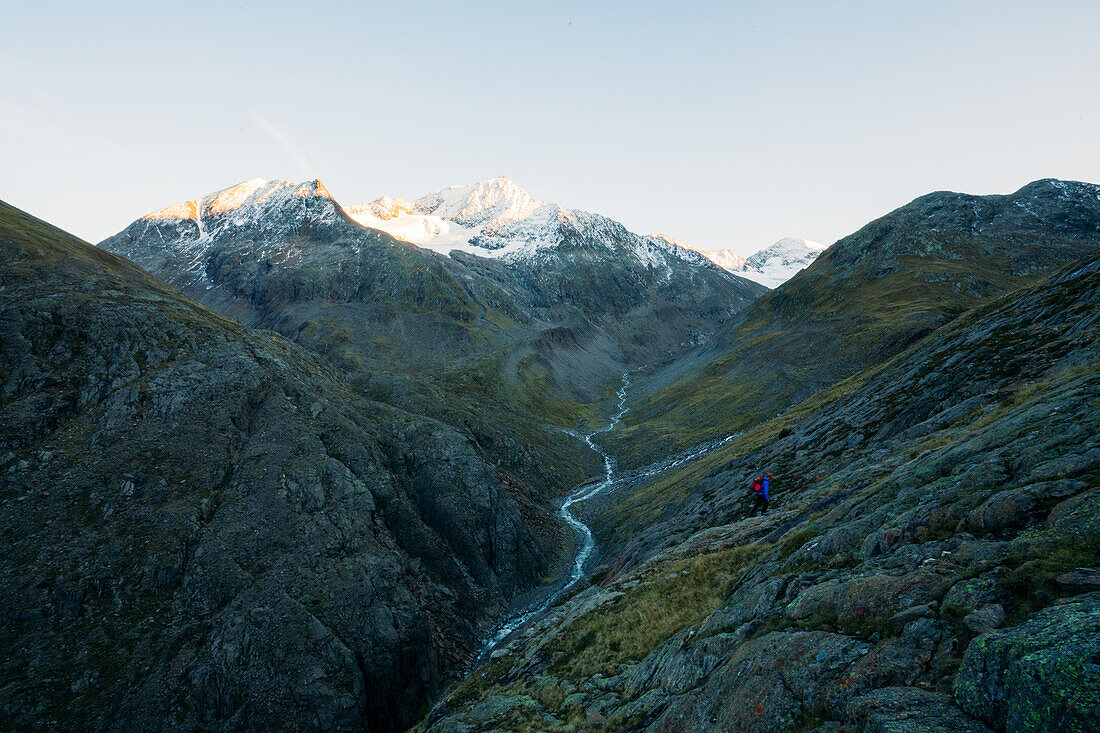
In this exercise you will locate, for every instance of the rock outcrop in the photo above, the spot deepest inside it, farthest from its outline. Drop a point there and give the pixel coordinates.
(1041, 675)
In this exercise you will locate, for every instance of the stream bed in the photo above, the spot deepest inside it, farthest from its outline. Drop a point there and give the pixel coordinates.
(584, 532)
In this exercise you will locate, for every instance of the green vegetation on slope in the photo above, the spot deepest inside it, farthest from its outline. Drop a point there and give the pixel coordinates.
(630, 626)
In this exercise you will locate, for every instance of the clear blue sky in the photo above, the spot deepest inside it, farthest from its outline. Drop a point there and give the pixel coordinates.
(725, 124)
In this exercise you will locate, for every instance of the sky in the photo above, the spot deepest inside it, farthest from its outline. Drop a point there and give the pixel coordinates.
(725, 124)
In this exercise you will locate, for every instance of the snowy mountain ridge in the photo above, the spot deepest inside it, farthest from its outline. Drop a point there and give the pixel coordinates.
(727, 259)
(499, 219)
(495, 219)
(250, 201)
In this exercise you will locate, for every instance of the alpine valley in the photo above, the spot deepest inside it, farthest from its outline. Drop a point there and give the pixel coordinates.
(480, 462)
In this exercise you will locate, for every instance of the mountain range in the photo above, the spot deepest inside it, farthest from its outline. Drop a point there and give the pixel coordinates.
(497, 218)
(270, 462)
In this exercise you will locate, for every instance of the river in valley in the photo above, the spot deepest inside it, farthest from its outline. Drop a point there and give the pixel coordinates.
(587, 540)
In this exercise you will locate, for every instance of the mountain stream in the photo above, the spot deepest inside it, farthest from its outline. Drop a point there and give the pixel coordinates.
(583, 493)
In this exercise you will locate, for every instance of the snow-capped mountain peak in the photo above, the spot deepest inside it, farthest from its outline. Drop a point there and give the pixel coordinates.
(267, 209)
(244, 199)
(492, 218)
(451, 218)
(490, 204)
(771, 266)
(383, 207)
(788, 250)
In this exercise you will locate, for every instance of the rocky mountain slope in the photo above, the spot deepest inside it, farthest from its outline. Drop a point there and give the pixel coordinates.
(928, 565)
(860, 303)
(528, 334)
(207, 526)
(309, 517)
(771, 266)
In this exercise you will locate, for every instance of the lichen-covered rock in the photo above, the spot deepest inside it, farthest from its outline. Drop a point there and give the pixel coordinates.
(873, 597)
(767, 684)
(1009, 508)
(972, 593)
(897, 662)
(1043, 675)
(910, 710)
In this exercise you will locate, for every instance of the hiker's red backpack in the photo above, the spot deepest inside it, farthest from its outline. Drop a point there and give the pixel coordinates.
(758, 485)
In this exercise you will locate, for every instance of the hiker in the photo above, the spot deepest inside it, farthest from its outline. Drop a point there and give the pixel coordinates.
(761, 492)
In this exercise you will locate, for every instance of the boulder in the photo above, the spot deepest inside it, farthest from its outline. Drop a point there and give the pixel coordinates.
(1080, 579)
(769, 683)
(872, 597)
(972, 593)
(986, 618)
(1015, 507)
(1040, 676)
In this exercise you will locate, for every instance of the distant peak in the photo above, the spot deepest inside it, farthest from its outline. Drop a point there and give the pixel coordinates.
(797, 243)
(483, 208)
(384, 208)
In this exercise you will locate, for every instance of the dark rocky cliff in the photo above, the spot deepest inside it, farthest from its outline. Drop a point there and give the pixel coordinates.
(206, 527)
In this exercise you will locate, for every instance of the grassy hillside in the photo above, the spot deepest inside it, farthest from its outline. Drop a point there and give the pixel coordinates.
(862, 302)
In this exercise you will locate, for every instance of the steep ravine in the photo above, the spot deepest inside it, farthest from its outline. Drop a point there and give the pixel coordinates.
(584, 550)
(584, 533)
